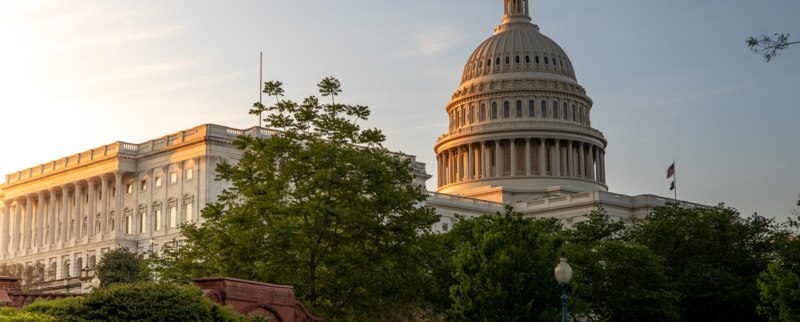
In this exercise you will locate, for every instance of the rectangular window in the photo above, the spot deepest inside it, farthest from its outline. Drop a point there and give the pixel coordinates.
(86, 199)
(173, 177)
(129, 188)
(189, 174)
(142, 222)
(444, 227)
(158, 181)
(158, 219)
(189, 212)
(144, 185)
(173, 216)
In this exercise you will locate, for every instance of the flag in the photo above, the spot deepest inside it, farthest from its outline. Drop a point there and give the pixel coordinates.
(672, 186)
(671, 171)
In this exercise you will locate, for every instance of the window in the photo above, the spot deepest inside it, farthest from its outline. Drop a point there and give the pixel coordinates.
(497, 61)
(517, 59)
(128, 225)
(508, 60)
(561, 63)
(480, 64)
(142, 221)
(506, 160)
(173, 177)
(483, 112)
(527, 59)
(157, 219)
(489, 63)
(531, 108)
(444, 227)
(457, 117)
(567, 65)
(555, 110)
(544, 109)
(580, 112)
(536, 58)
(144, 184)
(565, 115)
(534, 159)
(463, 116)
(86, 198)
(173, 216)
(519, 108)
(506, 110)
(471, 114)
(546, 61)
(573, 112)
(520, 159)
(494, 111)
(158, 181)
(547, 158)
(189, 212)
(129, 188)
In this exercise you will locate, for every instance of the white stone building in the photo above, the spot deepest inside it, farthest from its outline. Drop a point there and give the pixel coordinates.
(520, 134)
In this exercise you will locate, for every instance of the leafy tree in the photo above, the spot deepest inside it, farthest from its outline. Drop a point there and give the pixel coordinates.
(32, 275)
(119, 266)
(768, 46)
(505, 273)
(271, 88)
(780, 294)
(322, 206)
(713, 255)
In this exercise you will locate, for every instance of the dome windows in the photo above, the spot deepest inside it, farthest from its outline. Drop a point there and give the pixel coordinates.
(494, 111)
(564, 113)
(544, 109)
(573, 112)
(536, 58)
(483, 112)
(546, 62)
(517, 59)
(508, 60)
(480, 64)
(555, 110)
(519, 108)
(506, 110)
(531, 108)
(489, 62)
(527, 59)
(497, 61)
(561, 63)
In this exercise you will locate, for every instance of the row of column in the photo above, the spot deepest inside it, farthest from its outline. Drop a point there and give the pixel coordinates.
(54, 214)
(501, 158)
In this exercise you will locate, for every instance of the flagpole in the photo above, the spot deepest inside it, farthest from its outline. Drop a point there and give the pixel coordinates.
(675, 173)
(260, 72)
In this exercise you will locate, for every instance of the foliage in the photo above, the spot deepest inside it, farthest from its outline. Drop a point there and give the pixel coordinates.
(119, 266)
(768, 46)
(780, 294)
(32, 274)
(426, 316)
(144, 301)
(322, 206)
(714, 258)
(506, 272)
(50, 308)
(26, 317)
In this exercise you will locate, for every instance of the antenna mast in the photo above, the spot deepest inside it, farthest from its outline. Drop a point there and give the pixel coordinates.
(260, 72)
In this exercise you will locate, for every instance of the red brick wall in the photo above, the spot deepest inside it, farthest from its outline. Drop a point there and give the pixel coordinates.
(248, 297)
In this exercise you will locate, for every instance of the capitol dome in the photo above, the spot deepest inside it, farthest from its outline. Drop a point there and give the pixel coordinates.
(520, 124)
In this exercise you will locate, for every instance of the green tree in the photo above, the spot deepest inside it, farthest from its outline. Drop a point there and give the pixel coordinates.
(768, 46)
(780, 294)
(322, 206)
(505, 272)
(713, 255)
(119, 266)
(271, 88)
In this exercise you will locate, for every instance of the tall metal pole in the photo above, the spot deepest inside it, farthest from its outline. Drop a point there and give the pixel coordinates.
(564, 299)
(260, 72)
(675, 171)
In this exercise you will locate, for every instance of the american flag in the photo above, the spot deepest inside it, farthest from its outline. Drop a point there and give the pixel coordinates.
(671, 171)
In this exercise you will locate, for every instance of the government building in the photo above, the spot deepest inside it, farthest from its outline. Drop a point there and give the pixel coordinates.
(520, 134)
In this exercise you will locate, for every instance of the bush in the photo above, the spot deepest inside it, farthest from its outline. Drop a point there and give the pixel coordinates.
(50, 308)
(119, 266)
(11, 314)
(144, 301)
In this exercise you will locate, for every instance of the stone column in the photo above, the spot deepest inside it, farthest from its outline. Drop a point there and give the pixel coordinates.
(51, 232)
(471, 163)
(564, 160)
(556, 163)
(581, 154)
(542, 154)
(105, 179)
(527, 156)
(591, 163)
(6, 230)
(28, 221)
(571, 159)
(485, 158)
(77, 224)
(64, 213)
(603, 165)
(513, 158)
(40, 219)
(118, 201)
(438, 170)
(497, 163)
(91, 212)
(17, 220)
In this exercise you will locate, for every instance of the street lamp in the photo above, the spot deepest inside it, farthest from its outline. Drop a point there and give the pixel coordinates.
(564, 275)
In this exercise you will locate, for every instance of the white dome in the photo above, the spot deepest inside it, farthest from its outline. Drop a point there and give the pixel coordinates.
(521, 51)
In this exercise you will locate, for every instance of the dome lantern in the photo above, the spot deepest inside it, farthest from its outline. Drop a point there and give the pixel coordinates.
(516, 11)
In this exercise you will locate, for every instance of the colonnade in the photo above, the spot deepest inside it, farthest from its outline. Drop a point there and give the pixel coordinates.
(520, 157)
(59, 217)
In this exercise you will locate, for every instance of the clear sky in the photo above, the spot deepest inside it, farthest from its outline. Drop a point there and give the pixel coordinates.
(669, 79)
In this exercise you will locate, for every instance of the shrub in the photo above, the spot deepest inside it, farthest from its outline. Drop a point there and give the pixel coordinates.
(50, 308)
(119, 266)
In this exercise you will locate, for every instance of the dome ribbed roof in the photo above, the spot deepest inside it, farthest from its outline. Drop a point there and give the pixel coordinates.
(517, 46)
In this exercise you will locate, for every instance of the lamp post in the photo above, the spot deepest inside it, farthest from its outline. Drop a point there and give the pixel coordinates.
(564, 275)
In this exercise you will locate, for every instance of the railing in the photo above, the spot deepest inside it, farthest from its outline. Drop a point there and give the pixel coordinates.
(130, 147)
(235, 132)
(523, 124)
(466, 200)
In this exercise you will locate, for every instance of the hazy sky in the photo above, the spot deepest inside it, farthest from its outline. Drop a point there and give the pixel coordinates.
(669, 79)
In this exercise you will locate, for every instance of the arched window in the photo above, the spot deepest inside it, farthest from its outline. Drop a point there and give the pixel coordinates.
(480, 64)
(531, 108)
(508, 60)
(483, 112)
(519, 108)
(497, 61)
(494, 110)
(506, 110)
(546, 61)
(560, 62)
(555, 110)
(565, 115)
(455, 124)
(517, 60)
(520, 159)
(573, 112)
(471, 114)
(463, 116)
(544, 110)
(536, 58)
(527, 59)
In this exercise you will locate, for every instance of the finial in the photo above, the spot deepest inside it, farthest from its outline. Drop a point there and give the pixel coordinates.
(516, 11)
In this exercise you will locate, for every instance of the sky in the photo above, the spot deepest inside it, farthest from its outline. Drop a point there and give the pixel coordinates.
(669, 79)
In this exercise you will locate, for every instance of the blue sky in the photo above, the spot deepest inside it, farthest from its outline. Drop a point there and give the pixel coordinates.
(669, 79)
